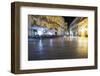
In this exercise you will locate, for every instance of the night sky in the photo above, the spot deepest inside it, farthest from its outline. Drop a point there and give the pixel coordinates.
(69, 19)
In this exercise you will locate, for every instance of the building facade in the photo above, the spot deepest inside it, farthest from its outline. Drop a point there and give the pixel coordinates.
(46, 25)
(79, 27)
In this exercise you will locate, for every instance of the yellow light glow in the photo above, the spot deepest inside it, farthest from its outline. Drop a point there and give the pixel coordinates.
(82, 31)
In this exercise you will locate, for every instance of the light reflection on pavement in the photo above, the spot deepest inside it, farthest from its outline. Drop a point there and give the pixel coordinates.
(58, 48)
